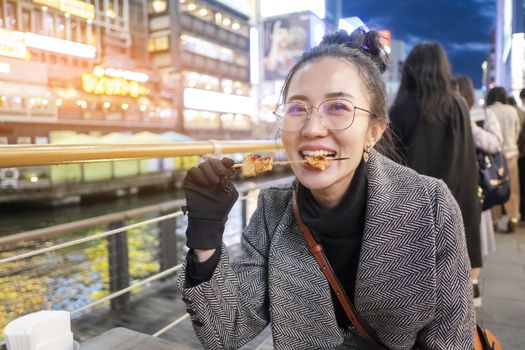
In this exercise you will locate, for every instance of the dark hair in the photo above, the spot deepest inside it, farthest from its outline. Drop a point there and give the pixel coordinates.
(522, 94)
(426, 72)
(512, 101)
(454, 84)
(366, 52)
(466, 89)
(496, 94)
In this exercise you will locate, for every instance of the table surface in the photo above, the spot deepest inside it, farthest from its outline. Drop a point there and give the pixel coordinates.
(127, 339)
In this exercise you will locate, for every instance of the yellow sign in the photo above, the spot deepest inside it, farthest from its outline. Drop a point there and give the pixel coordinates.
(75, 7)
(78, 8)
(12, 44)
(51, 3)
(101, 84)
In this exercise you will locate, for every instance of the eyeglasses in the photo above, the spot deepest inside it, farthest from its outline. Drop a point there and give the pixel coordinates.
(335, 114)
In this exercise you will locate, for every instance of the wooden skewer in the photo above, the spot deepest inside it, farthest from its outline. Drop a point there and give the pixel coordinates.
(286, 162)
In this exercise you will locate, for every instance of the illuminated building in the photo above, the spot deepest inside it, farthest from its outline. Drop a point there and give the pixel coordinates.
(505, 59)
(285, 30)
(201, 50)
(77, 65)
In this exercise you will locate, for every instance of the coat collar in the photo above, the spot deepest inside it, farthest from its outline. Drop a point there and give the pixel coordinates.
(397, 242)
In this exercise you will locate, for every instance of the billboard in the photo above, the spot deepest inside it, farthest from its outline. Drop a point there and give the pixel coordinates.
(271, 8)
(285, 40)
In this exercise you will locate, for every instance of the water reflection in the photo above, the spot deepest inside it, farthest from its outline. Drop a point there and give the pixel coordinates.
(75, 276)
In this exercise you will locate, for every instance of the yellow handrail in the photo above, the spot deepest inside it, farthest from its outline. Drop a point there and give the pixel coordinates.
(26, 155)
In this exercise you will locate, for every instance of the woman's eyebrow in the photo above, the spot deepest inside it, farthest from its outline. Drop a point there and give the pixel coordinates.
(338, 94)
(298, 97)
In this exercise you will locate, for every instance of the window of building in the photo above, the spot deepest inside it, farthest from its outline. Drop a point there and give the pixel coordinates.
(26, 20)
(49, 23)
(235, 87)
(41, 104)
(73, 25)
(198, 10)
(237, 121)
(159, 43)
(201, 81)
(158, 6)
(60, 27)
(231, 24)
(10, 15)
(23, 140)
(194, 119)
(92, 37)
(39, 22)
(207, 48)
(83, 32)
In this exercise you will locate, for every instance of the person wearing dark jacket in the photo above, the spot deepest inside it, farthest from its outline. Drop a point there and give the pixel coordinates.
(434, 135)
(394, 238)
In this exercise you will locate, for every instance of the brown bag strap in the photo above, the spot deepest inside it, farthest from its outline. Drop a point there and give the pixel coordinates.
(317, 251)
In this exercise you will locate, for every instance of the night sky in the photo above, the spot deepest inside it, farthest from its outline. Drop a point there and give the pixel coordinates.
(461, 26)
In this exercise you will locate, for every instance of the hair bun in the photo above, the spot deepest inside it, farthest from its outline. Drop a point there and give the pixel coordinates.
(367, 42)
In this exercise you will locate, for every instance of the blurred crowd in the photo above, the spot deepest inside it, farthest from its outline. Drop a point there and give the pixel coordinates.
(440, 128)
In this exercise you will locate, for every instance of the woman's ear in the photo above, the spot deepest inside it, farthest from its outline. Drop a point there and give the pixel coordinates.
(375, 130)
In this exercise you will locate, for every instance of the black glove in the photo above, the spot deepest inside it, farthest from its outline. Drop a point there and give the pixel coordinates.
(210, 195)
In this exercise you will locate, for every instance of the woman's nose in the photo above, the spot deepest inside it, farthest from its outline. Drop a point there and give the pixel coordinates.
(314, 126)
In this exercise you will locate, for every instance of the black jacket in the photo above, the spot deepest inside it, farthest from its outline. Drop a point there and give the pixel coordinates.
(443, 148)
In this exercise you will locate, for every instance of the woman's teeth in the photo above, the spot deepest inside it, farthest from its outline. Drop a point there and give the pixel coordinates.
(317, 153)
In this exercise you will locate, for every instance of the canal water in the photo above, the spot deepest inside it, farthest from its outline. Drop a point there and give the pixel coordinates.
(70, 278)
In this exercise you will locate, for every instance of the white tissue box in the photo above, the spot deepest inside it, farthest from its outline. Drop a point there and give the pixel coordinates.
(62, 342)
(42, 330)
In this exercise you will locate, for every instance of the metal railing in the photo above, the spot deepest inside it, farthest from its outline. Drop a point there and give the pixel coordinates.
(13, 156)
(26, 155)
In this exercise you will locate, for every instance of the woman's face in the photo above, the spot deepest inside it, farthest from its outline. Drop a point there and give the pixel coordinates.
(311, 85)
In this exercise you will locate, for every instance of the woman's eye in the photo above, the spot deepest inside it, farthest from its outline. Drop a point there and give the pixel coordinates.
(296, 109)
(338, 107)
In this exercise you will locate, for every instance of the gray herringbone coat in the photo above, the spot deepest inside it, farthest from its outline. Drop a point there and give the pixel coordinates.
(412, 284)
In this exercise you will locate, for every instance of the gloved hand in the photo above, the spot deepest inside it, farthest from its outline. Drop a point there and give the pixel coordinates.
(210, 195)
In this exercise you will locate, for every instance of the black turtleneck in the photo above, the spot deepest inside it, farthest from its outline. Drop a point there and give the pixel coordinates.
(340, 231)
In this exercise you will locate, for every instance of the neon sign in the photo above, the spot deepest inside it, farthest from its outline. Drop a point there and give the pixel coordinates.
(12, 44)
(75, 7)
(78, 8)
(100, 82)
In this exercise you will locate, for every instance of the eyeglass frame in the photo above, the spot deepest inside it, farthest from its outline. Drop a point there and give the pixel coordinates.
(309, 114)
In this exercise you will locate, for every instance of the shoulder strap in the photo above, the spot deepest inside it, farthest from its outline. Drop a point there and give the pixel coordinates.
(317, 251)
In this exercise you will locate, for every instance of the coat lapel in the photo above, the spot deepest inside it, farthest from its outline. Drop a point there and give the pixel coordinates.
(300, 290)
(395, 279)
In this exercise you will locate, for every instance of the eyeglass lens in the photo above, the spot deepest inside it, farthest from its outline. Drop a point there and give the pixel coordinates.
(336, 114)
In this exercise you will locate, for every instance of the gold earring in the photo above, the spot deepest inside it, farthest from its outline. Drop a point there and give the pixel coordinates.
(366, 152)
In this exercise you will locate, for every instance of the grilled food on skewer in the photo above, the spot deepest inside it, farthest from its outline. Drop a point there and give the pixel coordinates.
(319, 162)
(254, 164)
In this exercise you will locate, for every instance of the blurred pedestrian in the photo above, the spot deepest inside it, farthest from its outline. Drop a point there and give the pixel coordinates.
(393, 238)
(507, 216)
(521, 113)
(434, 132)
(521, 149)
(487, 138)
(521, 159)
(522, 97)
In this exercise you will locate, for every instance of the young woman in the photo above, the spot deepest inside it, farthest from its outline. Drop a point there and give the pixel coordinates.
(394, 238)
(510, 124)
(434, 133)
(489, 139)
